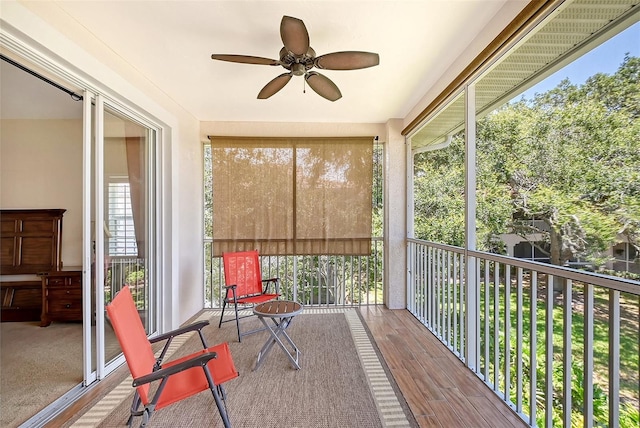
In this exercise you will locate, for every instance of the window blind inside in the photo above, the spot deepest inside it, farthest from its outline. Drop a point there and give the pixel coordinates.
(285, 196)
(122, 241)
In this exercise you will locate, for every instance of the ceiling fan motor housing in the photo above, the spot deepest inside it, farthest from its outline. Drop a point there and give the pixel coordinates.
(297, 64)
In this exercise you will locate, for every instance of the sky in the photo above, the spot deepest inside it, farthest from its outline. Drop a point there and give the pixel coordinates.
(606, 58)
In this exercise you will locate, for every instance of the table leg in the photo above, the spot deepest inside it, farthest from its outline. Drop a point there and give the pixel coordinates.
(275, 338)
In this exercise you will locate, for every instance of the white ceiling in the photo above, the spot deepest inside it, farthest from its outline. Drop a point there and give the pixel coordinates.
(171, 42)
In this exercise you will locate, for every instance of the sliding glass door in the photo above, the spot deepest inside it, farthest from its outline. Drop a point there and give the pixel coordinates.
(122, 222)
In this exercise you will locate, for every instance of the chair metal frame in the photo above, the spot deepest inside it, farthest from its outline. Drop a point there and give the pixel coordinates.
(182, 375)
(244, 285)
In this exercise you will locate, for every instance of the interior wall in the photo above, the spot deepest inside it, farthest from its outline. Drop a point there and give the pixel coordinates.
(41, 167)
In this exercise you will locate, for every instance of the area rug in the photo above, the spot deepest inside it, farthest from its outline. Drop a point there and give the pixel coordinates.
(342, 382)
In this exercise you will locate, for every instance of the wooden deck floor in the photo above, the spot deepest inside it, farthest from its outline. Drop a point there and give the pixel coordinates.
(439, 389)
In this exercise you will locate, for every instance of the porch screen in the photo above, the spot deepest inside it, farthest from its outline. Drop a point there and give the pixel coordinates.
(290, 196)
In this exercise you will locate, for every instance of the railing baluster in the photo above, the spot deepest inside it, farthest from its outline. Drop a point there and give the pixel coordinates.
(422, 262)
(487, 320)
(351, 276)
(507, 333)
(462, 308)
(614, 358)
(496, 326)
(548, 360)
(344, 280)
(519, 338)
(413, 276)
(448, 295)
(375, 272)
(360, 288)
(441, 293)
(456, 310)
(432, 284)
(533, 347)
(438, 302)
(588, 356)
(566, 351)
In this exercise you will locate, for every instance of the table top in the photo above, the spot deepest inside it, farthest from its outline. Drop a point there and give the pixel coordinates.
(278, 309)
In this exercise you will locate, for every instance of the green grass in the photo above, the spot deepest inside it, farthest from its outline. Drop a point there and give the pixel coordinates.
(629, 349)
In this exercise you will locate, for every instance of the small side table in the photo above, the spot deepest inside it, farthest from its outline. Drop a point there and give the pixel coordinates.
(281, 313)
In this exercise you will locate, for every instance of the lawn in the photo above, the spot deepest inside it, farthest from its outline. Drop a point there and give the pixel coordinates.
(629, 348)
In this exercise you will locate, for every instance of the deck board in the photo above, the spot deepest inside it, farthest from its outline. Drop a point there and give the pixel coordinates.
(437, 386)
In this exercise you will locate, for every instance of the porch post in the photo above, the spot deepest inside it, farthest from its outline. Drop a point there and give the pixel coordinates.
(395, 224)
(472, 297)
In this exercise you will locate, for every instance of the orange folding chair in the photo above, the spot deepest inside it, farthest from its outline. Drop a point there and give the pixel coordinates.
(244, 285)
(177, 379)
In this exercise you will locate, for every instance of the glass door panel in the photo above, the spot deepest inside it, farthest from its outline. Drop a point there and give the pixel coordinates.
(126, 218)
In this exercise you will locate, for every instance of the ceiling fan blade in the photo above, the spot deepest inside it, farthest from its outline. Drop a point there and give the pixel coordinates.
(245, 59)
(274, 86)
(295, 36)
(349, 60)
(323, 86)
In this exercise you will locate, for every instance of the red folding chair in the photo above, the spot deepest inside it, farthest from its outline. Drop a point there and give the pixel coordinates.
(177, 379)
(245, 286)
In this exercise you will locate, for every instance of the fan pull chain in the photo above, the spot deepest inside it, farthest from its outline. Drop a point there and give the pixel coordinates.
(304, 85)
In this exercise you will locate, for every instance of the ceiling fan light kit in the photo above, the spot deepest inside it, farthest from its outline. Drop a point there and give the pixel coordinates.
(299, 58)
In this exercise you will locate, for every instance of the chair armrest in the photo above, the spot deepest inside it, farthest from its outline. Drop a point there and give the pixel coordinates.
(201, 360)
(168, 338)
(275, 281)
(173, 333)
(231, 288)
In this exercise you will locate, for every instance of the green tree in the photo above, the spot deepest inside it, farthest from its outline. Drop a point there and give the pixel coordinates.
(570, 158)
(439, 194)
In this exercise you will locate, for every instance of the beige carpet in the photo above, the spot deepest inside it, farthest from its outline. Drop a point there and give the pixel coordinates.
(36, 368)
(342, 383)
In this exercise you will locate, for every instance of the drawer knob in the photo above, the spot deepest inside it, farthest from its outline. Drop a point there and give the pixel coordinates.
(67, 306)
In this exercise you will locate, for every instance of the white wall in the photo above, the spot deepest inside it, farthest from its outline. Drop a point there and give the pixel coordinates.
(41, 167)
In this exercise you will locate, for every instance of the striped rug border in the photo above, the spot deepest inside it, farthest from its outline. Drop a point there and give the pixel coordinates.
(389, 408)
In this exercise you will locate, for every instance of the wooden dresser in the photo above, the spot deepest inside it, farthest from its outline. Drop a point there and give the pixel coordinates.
(61, 296)
(30, 245)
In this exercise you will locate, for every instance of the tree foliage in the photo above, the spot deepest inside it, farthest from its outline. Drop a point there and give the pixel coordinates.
(569, 157)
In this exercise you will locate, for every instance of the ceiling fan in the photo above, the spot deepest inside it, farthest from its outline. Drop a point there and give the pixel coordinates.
(299, 58)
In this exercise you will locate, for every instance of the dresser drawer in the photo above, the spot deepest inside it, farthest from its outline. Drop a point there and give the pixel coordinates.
(60, 281)
(56, 282)
(64, 304)
(61, 297)
(53, 294)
